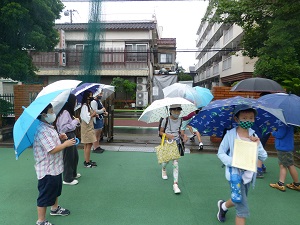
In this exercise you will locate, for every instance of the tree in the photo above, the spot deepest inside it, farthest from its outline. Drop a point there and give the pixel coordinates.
(122, 85)
(26, 25)
(271, 33)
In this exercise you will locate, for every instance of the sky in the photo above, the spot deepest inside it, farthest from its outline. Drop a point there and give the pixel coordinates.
(179, 19)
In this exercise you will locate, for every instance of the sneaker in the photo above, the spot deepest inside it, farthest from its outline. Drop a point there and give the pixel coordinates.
(176, 189)
(74, 182)
(200, 146)
(46, 222)
(60, 212)
(264, 168)
(221, 213)
(98, 150)
(192, 139)
(260, 174)
(78, 175)
(164, 175)
(89, 164)
(277, 186)
(93, 163)
(293, 186)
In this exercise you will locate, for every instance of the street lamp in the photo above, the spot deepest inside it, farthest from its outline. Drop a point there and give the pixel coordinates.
(70, 12)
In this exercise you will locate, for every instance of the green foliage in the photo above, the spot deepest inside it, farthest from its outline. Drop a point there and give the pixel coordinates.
(5, 107)
(27, 25)
(123, 85)
(292, 86)
(271, 33)
(184, 77)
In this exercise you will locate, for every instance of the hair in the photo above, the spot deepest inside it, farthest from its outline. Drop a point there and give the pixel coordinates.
(85, 98)
(69, 105)
(246, 111)
(45, 110)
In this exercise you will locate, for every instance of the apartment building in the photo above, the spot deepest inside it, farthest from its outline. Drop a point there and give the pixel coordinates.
(127, 49)
(220, 61)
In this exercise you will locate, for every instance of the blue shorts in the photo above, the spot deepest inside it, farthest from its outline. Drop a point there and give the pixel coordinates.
(242, 209)
(49, 189)
(99, 124)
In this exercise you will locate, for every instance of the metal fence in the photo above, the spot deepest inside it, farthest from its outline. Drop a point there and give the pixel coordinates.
(7, 107)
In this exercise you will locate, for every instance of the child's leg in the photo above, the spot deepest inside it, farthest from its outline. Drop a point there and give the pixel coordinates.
(294, 173)
(41, 213)
(240, 220)
(164, 165)
(175, 171)
(87, 151)
(282, 173)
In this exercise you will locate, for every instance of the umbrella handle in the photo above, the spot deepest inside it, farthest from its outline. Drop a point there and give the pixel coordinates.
(170, 142)
(77, 141)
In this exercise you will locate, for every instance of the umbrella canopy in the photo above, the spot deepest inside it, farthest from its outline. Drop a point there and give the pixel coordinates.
(184, 91)
(258, 84)
(160, 108)
(289, 103)
(217, 116)
(205, 95)
(57, 86)
(25, 127)
(95, 88)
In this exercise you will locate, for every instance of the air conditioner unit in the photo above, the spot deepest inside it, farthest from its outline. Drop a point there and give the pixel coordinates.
(141, 80)
(141, 98)
(141, 87)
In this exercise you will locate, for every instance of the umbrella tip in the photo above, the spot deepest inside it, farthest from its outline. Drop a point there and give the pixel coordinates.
(23, 107)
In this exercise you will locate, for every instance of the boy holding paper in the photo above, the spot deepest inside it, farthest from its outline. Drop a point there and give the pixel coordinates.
(244, 115)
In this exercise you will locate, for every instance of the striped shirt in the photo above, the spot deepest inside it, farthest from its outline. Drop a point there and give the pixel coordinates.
(45, 140)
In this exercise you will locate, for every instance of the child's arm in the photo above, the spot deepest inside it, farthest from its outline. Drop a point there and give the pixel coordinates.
(224, 150)
(62, 146)
(280, 133)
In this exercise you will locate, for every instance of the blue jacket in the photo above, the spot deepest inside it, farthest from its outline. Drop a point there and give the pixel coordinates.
(228, 143)
(284, 138)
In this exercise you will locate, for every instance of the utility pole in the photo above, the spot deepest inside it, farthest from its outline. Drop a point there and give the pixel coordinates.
(70, 12)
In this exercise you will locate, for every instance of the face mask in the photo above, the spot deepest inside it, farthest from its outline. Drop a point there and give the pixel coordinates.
(176, 116)
(50, 117)
(99, 97)
(91, 98)
(246, 124)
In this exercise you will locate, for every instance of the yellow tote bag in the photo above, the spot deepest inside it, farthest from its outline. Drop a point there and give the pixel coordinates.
(167, 151)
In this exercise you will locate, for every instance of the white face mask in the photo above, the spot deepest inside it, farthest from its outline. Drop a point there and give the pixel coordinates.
(50, 117)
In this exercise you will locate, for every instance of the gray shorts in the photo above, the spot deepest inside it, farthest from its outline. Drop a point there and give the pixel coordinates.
(285, 158)
(242, 209)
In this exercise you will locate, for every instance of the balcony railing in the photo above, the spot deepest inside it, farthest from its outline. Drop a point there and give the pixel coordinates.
(107, 59)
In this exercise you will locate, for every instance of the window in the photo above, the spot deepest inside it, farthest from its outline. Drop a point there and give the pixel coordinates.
(136, 52)
(165, 58)
(227, 63)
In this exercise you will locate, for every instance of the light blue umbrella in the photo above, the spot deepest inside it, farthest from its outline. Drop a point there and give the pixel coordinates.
(25, 127)
(289, 103)
(205, 95)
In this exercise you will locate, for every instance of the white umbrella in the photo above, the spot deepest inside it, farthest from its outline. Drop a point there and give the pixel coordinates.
(107, 91)
(160, 108)
(183, 90)
(60, 100)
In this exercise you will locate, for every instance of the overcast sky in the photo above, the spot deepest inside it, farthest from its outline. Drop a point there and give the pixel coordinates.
(179, 19)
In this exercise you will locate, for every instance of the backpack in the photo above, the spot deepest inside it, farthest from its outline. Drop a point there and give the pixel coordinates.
(166, 124)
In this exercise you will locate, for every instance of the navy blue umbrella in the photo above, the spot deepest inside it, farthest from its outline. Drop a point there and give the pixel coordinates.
(217, 116)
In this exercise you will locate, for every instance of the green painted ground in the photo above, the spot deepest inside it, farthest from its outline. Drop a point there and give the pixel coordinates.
(127, 189)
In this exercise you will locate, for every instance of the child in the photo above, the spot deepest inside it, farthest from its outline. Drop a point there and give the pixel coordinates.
(194, 131)
(67, 123)
(47, 150)
(87, 128)
(244, 115)
(172, 132)
(284, 144)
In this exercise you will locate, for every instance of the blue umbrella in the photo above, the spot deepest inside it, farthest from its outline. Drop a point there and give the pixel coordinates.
(289, 103)
(205, 95)
(25, 127)
(217, 116)
(78, 92)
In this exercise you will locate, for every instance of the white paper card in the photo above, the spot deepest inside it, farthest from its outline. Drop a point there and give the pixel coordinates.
(245, 155)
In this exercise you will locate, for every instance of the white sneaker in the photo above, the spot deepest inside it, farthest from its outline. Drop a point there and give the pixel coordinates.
(78, 175)
(74, 182)
(201, 146)
(164, 175)
(176, 189)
